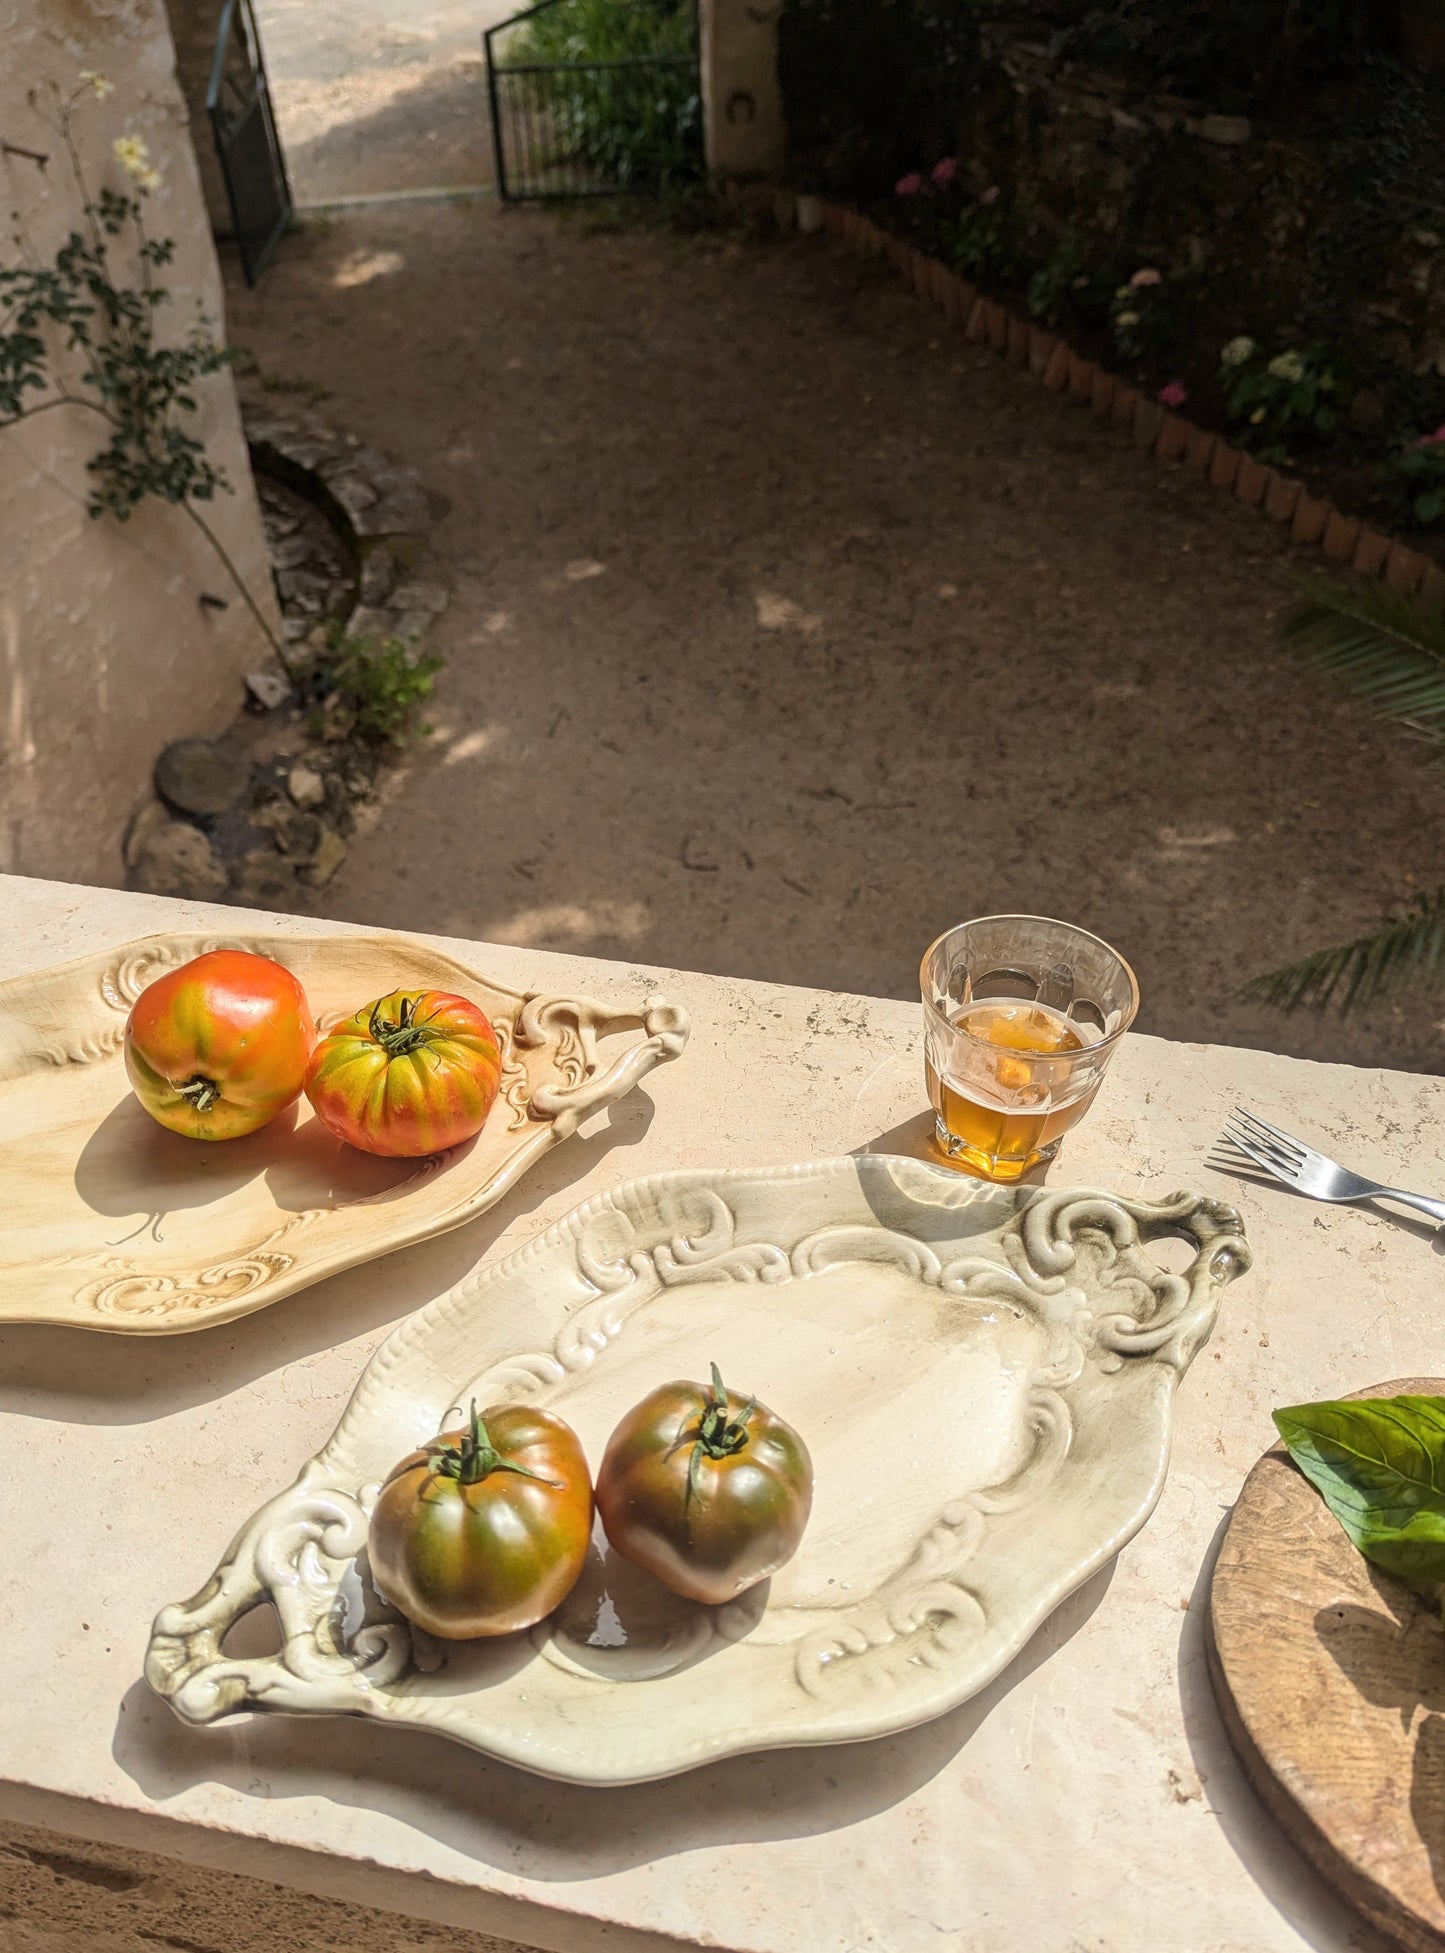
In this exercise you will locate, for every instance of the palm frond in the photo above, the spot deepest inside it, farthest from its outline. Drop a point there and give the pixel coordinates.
(1386, 649)
(1409, 950)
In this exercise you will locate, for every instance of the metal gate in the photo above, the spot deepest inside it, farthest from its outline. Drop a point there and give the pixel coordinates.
(574, 117)
(239, 102)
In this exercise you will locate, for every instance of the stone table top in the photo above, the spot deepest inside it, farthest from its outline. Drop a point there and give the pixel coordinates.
(1086, 1802)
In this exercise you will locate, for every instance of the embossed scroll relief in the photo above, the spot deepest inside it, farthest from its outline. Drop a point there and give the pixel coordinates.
(113, 1223)
(1012, 1352)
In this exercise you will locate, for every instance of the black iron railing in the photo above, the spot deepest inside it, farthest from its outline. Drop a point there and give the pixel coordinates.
(239, 103)
(576, 126)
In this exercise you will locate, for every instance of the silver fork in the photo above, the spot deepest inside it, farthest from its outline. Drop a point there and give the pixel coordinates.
(1308, 1172)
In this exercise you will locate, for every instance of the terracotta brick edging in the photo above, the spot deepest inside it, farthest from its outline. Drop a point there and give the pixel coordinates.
(1168, 436)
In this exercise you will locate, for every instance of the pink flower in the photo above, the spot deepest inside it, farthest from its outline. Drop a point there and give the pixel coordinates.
(1148, 276)
(988, 196)
(943, 172)
(908, 186)
(1432, 440)
(1174, 395)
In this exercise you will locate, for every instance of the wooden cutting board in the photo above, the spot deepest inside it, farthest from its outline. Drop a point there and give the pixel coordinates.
(1330, 1676)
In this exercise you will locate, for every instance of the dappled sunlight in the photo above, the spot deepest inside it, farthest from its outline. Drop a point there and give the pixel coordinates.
(567, 925)
(469, 746)
(782, 614)
(364, 267)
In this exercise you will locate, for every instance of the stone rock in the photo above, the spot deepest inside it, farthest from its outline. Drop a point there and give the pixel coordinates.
(411, 624)
(422, 596)
(293, 629)
(143, 824)
(306, 787)
(353, 493)
(177, 859)
(329, 855)
(263, 879)
(268, 688)
(288, 552)
(1230, 130)
(378, 574)
(199, 776)
(297, 833)
(368, 621)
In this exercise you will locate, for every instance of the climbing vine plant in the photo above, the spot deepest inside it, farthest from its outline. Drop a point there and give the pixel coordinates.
(75, 335)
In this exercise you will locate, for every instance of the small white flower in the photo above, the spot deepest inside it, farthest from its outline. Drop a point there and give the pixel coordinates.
(132, 155)
(149, 180)
(1126, 318)
(1286, 366)
(1237, 351)
(97, 84)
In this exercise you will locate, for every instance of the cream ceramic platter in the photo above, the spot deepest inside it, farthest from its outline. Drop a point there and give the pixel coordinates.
(110, 1222)
(984, 1377)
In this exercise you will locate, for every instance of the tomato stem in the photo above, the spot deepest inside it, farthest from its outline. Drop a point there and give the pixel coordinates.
(472, 1457)
(405, 1035)
(200, 1092)
(718, 1435)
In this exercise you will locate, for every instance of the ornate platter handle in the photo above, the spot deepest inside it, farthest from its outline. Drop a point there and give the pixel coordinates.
(574, 1024)
(1163, 1314)
(292, 1554)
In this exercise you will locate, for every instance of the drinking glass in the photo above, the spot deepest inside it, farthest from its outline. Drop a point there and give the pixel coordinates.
(1021, 1016)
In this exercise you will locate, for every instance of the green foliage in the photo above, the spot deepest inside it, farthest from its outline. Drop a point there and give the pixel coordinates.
(1278, 402)
(1388, 651)
(1067, 289)
(985, 239)
(1234, 54)
(1379, 1465)
(142, 389)
(869, 86)
(376, 688)
(1414, 479)
(640, 127)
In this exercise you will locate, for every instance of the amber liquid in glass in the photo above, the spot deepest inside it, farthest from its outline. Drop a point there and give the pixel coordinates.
(997, 1109)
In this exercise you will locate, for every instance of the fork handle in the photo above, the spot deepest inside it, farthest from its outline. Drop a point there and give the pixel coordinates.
(1423, 1202)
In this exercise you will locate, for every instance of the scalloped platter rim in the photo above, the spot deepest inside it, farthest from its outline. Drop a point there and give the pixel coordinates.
(113, 1223)
(870, 1300)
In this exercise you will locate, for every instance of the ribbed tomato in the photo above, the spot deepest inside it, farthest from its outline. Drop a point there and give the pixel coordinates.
(411, 1074)
(218, 1047)
(707, 1492)
(485, 1530)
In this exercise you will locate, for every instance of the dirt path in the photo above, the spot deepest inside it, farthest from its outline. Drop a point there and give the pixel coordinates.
(787, 631)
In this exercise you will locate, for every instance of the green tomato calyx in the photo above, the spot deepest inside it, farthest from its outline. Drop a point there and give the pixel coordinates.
(200, 1093)
(402, 1037)
(472, 1457)
(717, 1435)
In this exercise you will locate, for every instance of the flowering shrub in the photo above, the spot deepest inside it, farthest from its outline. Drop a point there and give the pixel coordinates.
(984, 239)
(75, 334)
(1276, 401)
(1415, 480)
(1064, 290)
(1144, 315)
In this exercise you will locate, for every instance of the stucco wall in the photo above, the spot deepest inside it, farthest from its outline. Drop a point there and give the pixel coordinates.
(106, 651)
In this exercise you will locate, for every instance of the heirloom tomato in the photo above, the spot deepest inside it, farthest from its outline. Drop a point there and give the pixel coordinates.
(708, 1493)
(485, 1530)
(413, 1073)
(218, 1047)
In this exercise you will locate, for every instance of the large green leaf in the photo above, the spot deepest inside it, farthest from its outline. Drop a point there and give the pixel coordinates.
(1408, 950)
(1385, 648)
(1379, 1465)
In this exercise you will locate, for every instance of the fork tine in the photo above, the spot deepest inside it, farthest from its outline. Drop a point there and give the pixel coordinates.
(1258, 1156)
(1247, 1138)
(1273, 1132)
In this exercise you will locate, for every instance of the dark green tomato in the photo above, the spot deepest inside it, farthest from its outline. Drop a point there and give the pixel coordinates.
(485, 1530)
(709, 1492)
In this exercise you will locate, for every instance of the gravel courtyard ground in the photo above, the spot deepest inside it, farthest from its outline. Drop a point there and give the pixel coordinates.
(788, 629)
